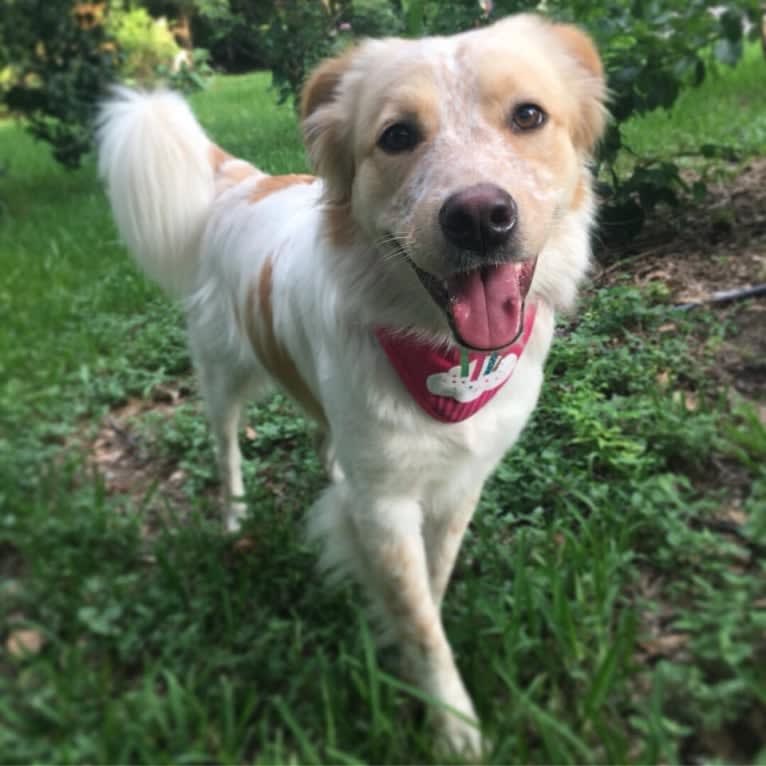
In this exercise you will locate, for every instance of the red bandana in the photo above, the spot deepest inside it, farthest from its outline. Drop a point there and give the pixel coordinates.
(448, 385)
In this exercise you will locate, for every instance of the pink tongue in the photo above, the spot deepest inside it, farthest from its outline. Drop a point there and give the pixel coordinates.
(486, 305)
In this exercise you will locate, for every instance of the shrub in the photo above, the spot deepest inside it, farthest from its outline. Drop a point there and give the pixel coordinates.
(232, 31)
(653, 49)
(61, 62)
(301, 33)
(58, 58)
(298, 35)
(146, 44)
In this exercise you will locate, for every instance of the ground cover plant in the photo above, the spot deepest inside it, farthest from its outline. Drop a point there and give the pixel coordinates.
(609, 603)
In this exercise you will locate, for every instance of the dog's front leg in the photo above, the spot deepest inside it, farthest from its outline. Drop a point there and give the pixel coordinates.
(443, 530)
(389, 532)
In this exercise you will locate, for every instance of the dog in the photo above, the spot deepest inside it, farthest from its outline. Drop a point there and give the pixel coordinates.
(403, 297)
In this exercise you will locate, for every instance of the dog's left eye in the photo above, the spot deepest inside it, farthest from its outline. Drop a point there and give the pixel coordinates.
(528, 117)
(399, 137)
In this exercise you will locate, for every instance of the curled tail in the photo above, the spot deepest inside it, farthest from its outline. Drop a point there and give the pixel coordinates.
(155, 160)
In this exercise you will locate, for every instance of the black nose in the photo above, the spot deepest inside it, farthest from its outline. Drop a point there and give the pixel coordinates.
(479, 218)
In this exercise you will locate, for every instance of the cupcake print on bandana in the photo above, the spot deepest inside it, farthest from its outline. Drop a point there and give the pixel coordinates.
(448, 382)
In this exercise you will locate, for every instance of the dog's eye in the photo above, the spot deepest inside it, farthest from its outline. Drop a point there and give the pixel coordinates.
(528, 117)
(399, 137)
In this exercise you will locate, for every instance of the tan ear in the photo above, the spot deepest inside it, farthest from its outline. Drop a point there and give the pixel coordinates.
(590, 81)
(322, 84)
(327, 126)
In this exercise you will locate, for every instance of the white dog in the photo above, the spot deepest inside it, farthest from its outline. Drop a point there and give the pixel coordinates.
(404, 297)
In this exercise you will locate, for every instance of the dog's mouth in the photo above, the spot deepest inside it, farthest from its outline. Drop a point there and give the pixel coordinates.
(484, 306)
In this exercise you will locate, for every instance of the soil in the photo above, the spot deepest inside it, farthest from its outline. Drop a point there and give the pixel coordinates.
(123, 455)
(715, 246)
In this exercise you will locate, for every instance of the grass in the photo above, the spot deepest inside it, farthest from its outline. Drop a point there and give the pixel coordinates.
(726, 111)
(598, 612)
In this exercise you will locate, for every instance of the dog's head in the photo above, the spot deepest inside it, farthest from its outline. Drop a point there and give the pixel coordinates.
(466, 156)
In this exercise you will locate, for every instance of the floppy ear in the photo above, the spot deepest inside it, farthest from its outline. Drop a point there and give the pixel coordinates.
(326, 123)
(590, 82)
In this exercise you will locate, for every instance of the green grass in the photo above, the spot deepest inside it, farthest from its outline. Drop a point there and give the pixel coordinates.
(726, 111)
(596, 536)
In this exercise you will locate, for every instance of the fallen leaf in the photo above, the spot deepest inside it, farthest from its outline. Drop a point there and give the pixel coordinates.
(245, 544)
(657, 275)
(24, 641)
(665, 645)
(688, 399)
(166, 394)
(733, 514)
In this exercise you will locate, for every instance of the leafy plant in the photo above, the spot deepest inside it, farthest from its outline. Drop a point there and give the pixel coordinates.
(62, 62)
(146, 43)
(59, 57)
(298, 35)
(191, 74)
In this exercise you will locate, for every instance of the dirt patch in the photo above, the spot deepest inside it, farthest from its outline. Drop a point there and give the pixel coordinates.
(717, 245)
(123, 454)
(729, 222)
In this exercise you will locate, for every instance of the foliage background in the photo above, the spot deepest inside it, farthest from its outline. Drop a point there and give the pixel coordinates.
(62, 58)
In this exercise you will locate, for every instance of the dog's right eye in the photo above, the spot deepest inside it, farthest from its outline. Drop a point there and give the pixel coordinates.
(399, 137)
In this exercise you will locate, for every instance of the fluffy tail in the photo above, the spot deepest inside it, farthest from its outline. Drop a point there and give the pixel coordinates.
(155, 160)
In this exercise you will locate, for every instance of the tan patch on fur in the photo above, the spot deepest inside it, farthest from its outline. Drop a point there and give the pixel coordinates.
(416, 98)
(236, 173)
(580, 46)
(320, 88)
(590, 126)
(271, 184)
(229, 170)
(260, 329)
(580, 195)
(218, 156)
(408, 598)
(324, 125)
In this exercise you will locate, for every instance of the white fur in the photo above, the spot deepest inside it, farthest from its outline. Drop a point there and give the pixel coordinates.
(404, 485)
(153, 158)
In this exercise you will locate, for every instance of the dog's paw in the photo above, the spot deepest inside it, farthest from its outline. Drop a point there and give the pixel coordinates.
(234, 513)
(459, 739)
